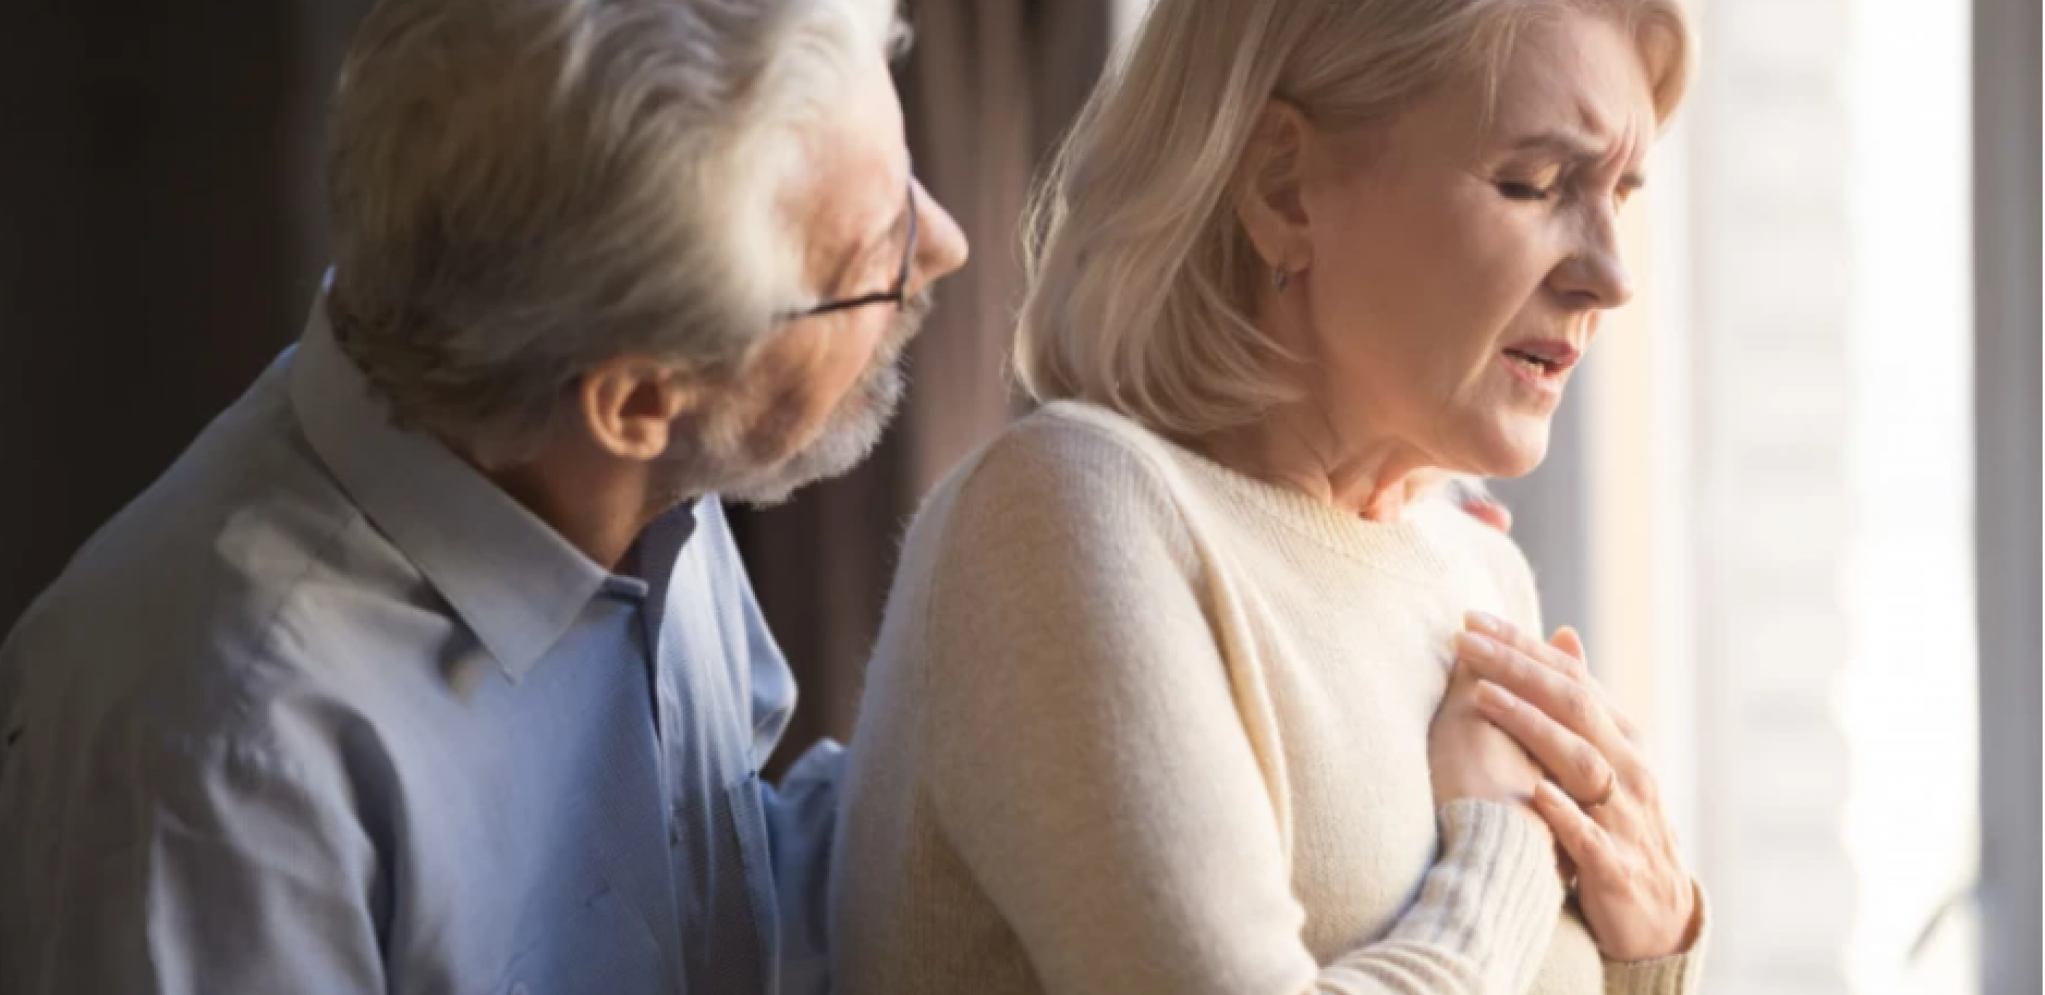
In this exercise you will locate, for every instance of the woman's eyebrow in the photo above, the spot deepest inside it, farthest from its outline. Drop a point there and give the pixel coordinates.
(1575, 145)
(1571, 144)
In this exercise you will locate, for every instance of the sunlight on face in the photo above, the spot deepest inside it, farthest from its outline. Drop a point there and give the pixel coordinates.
(1459, 270)
(812, 401)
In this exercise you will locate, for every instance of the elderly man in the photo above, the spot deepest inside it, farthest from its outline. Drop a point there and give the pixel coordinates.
(431, 666)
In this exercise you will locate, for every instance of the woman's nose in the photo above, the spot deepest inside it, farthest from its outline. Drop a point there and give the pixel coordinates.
(1595, 276)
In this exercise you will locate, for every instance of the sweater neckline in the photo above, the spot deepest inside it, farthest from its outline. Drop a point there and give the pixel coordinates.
(1410, 547)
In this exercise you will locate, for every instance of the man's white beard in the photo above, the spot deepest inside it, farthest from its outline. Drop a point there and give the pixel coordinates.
(848, 436)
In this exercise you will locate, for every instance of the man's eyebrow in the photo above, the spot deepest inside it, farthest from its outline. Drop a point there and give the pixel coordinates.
(873, 243)
(897, 226)
(891, 236)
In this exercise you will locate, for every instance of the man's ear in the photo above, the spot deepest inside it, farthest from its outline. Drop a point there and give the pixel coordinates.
(1267, 188)
(629, 404)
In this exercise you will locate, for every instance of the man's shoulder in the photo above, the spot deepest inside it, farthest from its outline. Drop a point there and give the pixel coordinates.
(175, 605)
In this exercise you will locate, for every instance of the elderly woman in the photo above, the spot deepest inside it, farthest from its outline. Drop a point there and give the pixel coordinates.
(1191, 682)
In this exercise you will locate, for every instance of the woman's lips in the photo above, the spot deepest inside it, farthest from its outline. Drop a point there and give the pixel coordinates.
(1544, 364)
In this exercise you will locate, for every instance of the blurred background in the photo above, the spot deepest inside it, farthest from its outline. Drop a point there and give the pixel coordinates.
(1794, 502)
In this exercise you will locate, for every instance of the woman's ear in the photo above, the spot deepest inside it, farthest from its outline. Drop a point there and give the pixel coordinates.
(1269, 201)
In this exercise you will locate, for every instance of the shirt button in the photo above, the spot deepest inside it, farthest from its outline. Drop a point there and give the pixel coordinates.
(520, 989)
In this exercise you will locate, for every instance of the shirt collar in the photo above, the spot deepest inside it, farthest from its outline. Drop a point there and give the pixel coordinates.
(509, 576)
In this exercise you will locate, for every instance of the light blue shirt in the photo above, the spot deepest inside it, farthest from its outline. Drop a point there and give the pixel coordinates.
(325, 711)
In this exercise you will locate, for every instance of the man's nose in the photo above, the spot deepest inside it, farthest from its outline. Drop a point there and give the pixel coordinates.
(942, 247)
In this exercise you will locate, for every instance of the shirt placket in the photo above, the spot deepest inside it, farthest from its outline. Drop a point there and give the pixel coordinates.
(704, 707)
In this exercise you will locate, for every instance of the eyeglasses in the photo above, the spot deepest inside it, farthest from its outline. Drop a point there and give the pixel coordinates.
(899, 296)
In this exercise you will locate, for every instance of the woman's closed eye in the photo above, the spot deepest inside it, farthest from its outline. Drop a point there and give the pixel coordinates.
(1550, 187)
(1517, 190)
(1628, 186)
(1537, 184)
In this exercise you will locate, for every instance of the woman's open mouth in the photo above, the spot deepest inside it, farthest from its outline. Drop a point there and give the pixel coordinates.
(1545, 364)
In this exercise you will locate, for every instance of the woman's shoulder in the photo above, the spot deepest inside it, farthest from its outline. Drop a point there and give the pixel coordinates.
(1068, 473)
(1489, 550)
(1068, 453)
(1083, 435)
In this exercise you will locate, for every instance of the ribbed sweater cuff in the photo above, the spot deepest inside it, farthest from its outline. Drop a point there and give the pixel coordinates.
(1494, 894)
(1678, 974)
(1667, 976)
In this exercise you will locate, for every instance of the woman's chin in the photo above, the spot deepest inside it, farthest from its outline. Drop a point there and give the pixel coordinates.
(1512, 450)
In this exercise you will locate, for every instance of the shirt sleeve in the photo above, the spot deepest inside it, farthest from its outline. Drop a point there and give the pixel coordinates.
(203, 867)
(802, 816)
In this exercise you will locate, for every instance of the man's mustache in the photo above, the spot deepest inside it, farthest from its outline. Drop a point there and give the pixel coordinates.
(910, 321)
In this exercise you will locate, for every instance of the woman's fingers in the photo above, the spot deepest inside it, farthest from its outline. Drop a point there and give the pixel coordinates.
(1569, 758)
(1570, 665)
(1572, 702)
(1568, 641)
(1563, 690)
(1636, 896)
(1586, 842)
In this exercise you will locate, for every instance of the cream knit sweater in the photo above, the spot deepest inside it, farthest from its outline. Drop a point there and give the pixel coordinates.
(1139, 724)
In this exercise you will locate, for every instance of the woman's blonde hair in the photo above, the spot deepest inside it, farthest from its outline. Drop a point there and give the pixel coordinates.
(1138, 269)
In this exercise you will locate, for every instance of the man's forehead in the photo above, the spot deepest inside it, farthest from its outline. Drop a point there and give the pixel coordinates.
(853, 194)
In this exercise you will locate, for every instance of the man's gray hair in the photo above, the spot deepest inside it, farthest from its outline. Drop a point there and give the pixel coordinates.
(522, 189)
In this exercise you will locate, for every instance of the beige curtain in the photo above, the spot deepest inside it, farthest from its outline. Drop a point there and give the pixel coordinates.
(987, 88)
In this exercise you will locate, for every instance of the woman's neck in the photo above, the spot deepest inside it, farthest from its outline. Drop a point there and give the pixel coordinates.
(1297, 447)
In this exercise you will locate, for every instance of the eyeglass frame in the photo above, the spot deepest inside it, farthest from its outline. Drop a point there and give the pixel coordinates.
(899, 296)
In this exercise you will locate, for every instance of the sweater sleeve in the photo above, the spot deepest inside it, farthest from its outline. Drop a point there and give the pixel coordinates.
(1092, 770)
(1677, 974)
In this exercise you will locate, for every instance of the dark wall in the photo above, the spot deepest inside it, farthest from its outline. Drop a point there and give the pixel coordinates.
(160, 238)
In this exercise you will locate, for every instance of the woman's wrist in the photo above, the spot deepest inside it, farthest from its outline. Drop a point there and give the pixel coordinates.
(1678, 973)
(1693, 934)
(1494, 893)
